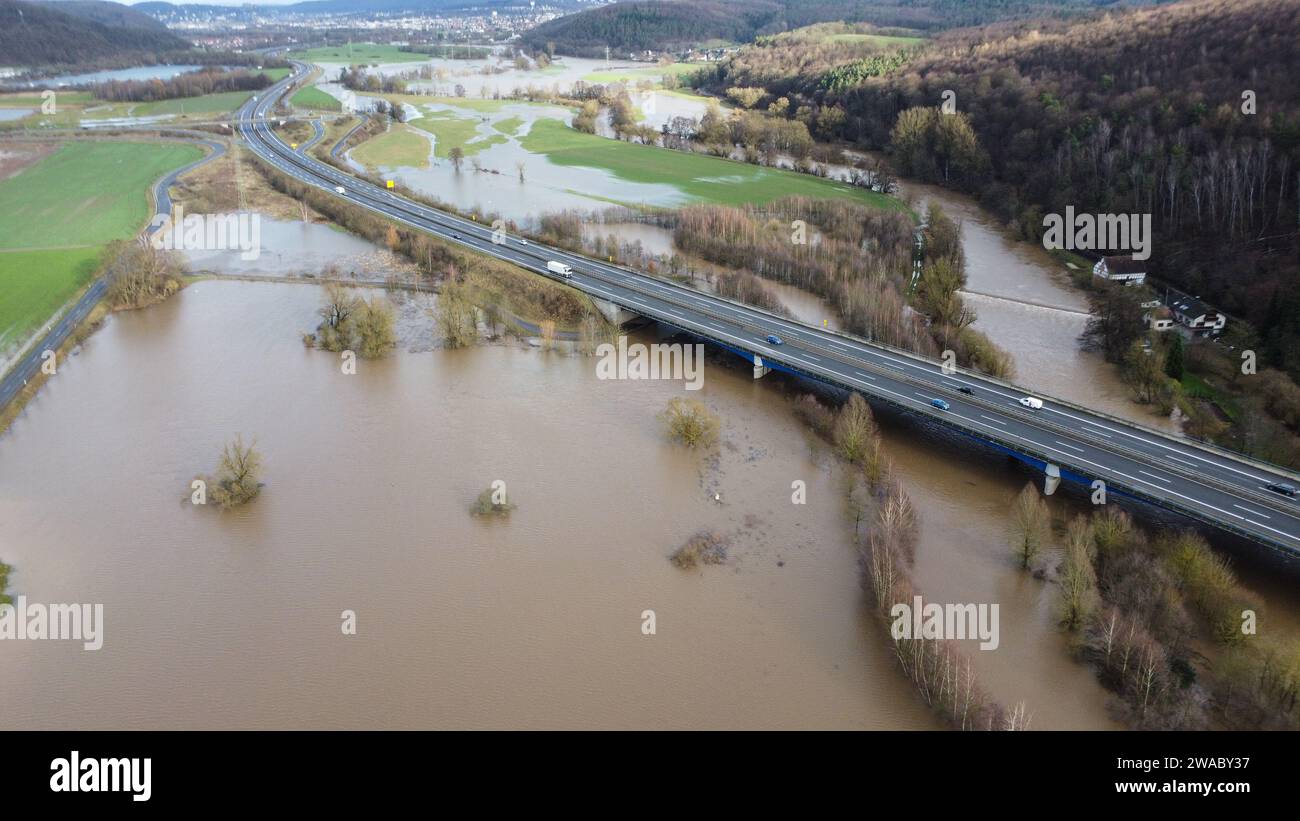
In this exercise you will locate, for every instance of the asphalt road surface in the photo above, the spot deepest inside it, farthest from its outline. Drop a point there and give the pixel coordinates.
(1204, 482)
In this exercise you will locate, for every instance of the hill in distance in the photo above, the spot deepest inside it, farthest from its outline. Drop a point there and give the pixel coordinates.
(48, 34)
(664, 25)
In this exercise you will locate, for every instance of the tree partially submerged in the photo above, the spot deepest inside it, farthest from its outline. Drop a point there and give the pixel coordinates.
(236, 481)
(705, 547)
(139, 275)
(350, 323)
(492, 502)
(1030, 525)
(691, 423)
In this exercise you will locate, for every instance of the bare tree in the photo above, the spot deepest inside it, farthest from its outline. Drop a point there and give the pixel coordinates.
(1029, 526)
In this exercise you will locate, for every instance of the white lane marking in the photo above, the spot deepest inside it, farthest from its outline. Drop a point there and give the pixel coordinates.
(1097, 433)
(864, 376)
(1153, 476)
(1071, 447)
(995, 421)
(812, 357)
(1032, 442)
(1248, 510)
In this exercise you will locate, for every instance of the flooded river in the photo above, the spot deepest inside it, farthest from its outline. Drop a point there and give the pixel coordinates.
(233, 620)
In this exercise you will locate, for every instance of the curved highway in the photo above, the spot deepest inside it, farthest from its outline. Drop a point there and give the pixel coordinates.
(1206, 483)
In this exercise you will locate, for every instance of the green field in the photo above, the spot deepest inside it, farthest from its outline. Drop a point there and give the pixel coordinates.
(57, 214)
(358, 53)
(510, 125)
(450, 131)
(314, 99)
(35, 285)
(219, 103)
(655, 73)
(703, 178)
(398, 146)
(34, 100)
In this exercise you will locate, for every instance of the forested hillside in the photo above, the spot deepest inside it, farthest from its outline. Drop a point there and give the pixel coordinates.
(33, 34)
(658, 25)
(1146, 111)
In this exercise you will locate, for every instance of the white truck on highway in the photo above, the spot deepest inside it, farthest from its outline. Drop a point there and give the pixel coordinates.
(1032, 402)
(560, 268)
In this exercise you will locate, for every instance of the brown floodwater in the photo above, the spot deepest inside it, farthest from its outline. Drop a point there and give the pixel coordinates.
(233, 620)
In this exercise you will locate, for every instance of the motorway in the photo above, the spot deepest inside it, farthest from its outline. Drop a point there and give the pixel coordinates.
(1203, 482)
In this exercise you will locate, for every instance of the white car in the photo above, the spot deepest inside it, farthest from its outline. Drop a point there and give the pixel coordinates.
(523, 241)
(338, 189)
(1031, 402)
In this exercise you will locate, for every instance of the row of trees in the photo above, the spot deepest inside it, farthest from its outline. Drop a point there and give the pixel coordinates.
(1163, 620)
(939, 671)
(189, 84)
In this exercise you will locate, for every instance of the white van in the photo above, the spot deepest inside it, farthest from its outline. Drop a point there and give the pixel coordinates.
(1031, 402)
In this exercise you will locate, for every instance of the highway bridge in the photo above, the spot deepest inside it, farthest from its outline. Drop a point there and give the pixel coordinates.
(1065, 441)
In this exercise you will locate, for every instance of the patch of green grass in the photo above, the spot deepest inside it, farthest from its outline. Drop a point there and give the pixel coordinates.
(36, 284)
(398, 146)
(218, 103)
(358, 53)
(631, 76)
(34, 100)
(313, 98)
(509, 125)
(1197, 388)
(702, 178)
(85, 193)
(56, 214)
(450, 131)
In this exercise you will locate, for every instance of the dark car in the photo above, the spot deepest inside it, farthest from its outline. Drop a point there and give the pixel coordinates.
(1283, 488)
(773, 339)
(966, 390)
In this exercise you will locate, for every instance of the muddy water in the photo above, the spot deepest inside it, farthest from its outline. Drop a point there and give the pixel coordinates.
(233, 620)
(295, 248)
(1026, 304)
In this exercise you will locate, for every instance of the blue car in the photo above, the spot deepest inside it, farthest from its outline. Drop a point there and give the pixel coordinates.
(939, 403)
(773, 339)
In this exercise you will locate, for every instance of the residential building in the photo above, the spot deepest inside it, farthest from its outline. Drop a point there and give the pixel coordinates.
(1123, 269)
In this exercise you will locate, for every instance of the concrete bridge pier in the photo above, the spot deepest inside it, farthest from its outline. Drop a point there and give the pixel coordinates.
(760, 370)
(613, 313)
(1053, 479)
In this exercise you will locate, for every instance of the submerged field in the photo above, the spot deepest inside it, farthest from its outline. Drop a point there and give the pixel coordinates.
(701, 177)
(57, 214)
(529, 153)
(357, 53)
